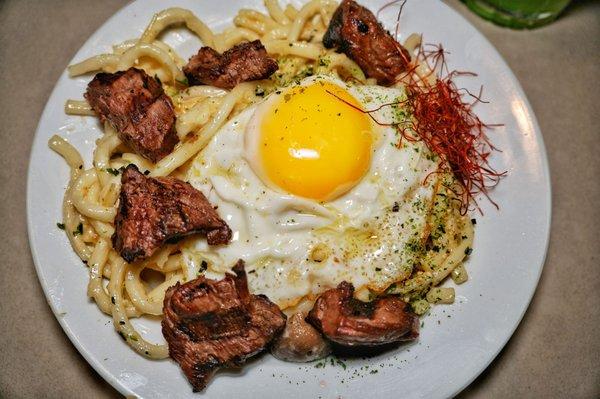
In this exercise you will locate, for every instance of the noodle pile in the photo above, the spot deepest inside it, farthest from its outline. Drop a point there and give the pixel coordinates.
(293, 37)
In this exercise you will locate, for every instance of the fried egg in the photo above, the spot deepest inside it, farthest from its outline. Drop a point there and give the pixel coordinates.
(316, 192)
(309, 143)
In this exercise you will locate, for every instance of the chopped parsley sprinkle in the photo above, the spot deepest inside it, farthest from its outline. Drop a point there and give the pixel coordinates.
(468, 251)
(324, 62)
(203, 266)
(112, 171)
(79, 230)
(60, 226)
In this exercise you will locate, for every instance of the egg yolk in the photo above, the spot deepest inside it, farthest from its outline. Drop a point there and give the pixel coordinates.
(313, 144)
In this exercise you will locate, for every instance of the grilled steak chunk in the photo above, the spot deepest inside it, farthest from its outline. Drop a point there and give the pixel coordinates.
(135, 104)
(300, 342)
(242, 63)
(211, 324)
(152, 211)
(355, 31)
(348, 321)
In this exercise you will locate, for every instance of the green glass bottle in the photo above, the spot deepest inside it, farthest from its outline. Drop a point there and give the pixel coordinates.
(518, 14)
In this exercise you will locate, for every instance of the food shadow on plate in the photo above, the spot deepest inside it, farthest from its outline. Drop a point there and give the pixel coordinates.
(366, 351)
(344, 353)
(239, 371)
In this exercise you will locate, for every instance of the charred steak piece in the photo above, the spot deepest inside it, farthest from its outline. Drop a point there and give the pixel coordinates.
(348, 321)
(355, 31)
(135, 104)
(152, 211)
(242, 63)
(211, 324)
(300, 342)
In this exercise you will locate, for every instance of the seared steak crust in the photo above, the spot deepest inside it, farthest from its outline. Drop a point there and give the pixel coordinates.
(135, 104)
(348, 321)
(242, 63)
(211, 324)
(152, 211)
(355, 31)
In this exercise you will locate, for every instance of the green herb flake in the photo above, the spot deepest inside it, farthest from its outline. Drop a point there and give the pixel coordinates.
(79, 230)
(112, 171)
(60, 226)
(324, 62)
(203, 267)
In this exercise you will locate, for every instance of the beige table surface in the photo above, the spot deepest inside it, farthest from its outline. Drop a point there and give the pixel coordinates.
(555, 352)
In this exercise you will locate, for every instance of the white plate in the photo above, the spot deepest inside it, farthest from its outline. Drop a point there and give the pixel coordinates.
(457, 341)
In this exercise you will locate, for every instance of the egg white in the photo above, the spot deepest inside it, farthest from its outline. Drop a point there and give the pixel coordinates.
(368, 234)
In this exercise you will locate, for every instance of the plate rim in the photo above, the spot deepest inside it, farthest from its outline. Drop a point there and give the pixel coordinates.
(548, 181)
(122, 388)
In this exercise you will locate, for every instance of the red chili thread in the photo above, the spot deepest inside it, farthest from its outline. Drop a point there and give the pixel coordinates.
(393, 3)
(448, 126)
(397, 25)
(368, 112)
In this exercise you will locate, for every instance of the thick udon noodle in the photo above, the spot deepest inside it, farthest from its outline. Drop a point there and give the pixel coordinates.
(293, 36)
